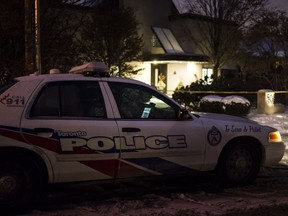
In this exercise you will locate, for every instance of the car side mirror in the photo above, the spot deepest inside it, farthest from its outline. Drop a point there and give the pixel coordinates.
(182, 114)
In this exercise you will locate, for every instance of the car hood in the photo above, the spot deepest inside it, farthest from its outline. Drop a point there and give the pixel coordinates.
(223, 117)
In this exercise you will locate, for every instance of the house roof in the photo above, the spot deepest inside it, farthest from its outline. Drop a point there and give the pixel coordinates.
(176, 57)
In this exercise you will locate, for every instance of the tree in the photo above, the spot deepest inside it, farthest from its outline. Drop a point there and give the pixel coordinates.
(29, 30)
(219, 36)
(111, 36)
(11, 40)
(267, 41)
(61, 21)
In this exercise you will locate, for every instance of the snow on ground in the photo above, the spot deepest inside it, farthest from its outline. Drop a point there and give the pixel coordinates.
(276, 120)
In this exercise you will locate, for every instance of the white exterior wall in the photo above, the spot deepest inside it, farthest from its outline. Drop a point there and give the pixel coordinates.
(194, 71)
(176, 74)
(145, 74)
(185, 72)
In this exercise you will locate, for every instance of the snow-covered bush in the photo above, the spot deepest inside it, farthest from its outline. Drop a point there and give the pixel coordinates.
(236, 105)
(211, 103)
(232, 105)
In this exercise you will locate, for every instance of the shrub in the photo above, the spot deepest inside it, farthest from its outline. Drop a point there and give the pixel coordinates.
(237, 109)
(187, 97)
(191, 100)
(211, 103)
(236, 105)
(231, 105)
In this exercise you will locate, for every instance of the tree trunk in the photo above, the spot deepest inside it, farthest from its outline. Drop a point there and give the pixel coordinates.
(30, 61)
(216, 69)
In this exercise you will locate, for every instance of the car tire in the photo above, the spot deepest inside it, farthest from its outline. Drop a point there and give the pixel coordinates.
(20, 184)
(239, 164)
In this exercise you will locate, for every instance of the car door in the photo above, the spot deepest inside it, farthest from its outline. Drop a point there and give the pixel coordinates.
(69, 123)
(153, 139)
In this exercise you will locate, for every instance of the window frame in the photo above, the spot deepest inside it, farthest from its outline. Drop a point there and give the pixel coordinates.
(207, 71)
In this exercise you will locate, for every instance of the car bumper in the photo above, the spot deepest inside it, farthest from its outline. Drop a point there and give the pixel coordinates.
(274, 153)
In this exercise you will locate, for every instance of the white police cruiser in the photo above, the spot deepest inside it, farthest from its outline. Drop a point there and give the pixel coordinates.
(73, 127)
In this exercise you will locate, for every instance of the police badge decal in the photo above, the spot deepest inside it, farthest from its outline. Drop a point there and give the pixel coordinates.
(214, 136)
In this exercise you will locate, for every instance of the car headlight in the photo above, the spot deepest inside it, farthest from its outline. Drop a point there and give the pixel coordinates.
(274, 137)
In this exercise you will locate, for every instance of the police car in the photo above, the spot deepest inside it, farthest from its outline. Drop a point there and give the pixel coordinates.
(82, 126)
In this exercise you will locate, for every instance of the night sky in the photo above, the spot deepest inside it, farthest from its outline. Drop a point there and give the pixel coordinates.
(281, 4)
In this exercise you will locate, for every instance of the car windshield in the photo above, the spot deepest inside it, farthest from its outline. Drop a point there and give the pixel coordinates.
(6, 86)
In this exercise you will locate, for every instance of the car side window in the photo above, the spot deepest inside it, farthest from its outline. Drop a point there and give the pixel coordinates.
(70, 99)
(139, 102)
(47, 103)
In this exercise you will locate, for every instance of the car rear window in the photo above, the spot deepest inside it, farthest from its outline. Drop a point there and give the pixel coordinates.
(6, 86)
(70, 99)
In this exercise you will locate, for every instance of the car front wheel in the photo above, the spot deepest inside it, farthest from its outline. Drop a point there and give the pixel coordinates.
(239, 164)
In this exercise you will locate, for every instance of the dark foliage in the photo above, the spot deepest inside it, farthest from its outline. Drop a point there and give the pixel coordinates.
(237, 109)
(11, 39)
(111, 36)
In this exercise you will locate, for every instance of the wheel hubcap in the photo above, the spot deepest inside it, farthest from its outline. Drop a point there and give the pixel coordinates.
(8, 184)
(241, 163)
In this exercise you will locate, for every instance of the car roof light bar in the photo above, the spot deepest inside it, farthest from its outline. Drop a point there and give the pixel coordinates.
(95, 69)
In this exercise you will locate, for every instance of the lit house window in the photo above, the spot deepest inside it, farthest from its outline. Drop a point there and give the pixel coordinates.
(155, 41)
(206, 74)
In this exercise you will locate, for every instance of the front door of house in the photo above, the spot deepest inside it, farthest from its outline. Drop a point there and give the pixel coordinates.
(159, 76)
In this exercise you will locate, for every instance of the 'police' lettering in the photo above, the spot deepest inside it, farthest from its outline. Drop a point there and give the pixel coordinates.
(157, 142)
(100, 144)
(68, 144)
(120, 143)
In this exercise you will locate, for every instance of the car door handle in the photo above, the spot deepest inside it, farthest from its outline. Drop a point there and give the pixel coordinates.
(45, 132)
(131, 129)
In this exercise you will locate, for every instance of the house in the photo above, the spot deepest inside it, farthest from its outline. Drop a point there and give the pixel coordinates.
(166, 64)
(171, 58)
